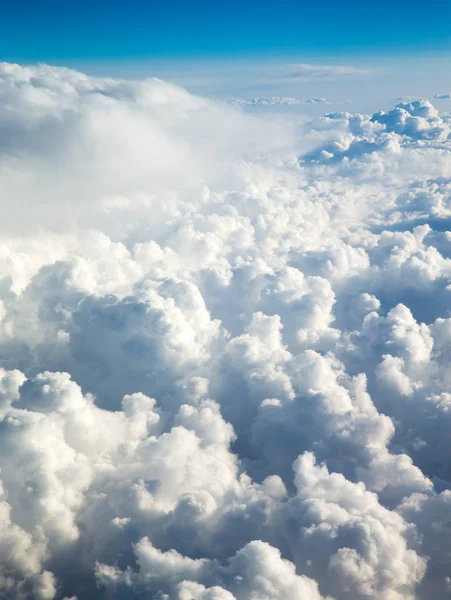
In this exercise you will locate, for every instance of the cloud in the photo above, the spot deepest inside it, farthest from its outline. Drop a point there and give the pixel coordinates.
(257, 570)
(225, 346)
(275, 101)
(307, 71)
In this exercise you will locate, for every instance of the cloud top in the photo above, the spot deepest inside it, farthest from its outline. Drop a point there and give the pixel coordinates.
(225, 346)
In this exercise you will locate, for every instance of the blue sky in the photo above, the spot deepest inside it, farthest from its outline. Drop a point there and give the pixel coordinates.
(54, 31)
(244, 49)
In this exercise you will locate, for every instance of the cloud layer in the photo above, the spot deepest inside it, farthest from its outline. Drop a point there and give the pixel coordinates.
(276, 101)
(307, 71)
(225, 347)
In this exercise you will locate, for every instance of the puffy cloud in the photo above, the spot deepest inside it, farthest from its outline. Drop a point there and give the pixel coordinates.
(355, 545)
(225, 346)
(256, 571)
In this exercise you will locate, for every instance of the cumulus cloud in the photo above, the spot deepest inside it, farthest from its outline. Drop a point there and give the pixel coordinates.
(225, 346)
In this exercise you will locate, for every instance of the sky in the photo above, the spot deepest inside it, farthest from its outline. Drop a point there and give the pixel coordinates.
(51, 30)
(242, 50)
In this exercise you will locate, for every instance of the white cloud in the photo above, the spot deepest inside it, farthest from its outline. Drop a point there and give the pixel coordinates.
(225, 346)
(307, 71)
(275, 101)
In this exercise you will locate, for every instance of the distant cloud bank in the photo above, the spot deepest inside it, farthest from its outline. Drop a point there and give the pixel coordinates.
(323, 71)
(276, 101)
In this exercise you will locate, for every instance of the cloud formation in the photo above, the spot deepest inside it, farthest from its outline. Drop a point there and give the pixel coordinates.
(276, 101)
(307, 71)
(225, 347)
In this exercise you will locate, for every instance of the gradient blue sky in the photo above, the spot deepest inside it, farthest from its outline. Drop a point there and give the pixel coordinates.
(242, 48)
(52, 30)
